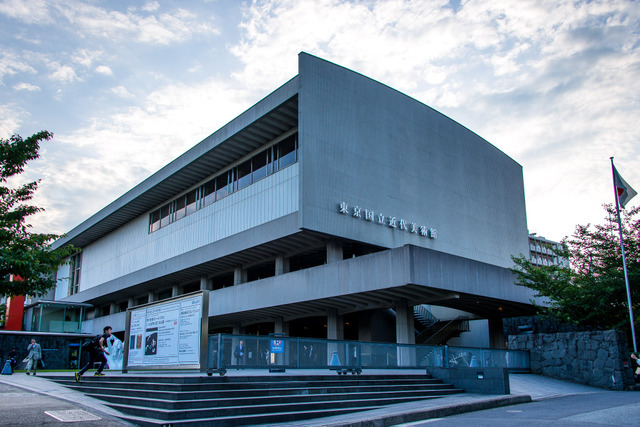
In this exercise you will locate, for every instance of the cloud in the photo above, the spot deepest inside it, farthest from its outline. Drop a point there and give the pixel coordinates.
(89, 20)
(151, 6)
(116, 152)
(30, 11)
(62, 73)
(26, 86)
(12, 63)
(103, 69)
(86, 57)
(11, 116)
(121, 92)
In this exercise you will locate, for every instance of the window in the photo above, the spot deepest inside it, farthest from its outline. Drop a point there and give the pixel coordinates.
(260, 165)
(244, 174)
(165, 215)
(209, 193)
(74, 279)
(222, 186)
(192, 199)
(154, 221)
(287, 152)
(180, 208)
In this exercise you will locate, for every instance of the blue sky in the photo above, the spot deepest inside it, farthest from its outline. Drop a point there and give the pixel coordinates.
(128, 86)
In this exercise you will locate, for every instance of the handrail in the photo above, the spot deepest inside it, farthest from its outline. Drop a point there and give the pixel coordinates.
(460, 320)
(279, 353)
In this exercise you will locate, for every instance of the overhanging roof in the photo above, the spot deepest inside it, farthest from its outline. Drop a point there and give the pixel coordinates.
(202, 161)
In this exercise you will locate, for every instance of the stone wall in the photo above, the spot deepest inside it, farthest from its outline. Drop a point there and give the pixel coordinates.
(595, 358)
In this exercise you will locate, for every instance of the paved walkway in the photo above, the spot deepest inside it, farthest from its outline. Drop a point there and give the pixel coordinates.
(27, 399)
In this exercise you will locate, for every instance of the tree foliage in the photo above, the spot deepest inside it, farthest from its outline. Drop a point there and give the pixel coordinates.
(23, 252)
(591, 292)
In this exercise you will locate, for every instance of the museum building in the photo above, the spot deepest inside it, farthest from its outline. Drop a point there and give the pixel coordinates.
(332, 208)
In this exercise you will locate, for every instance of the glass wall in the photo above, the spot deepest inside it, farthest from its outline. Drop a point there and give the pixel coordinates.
(57, 318)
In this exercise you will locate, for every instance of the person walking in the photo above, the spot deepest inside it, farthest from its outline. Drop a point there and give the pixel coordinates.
(238, 353)
(97, 354)
(34, 355)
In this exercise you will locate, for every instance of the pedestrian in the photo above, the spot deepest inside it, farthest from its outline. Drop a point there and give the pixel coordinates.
(34, 355)
(635, 365)
(97, 354)
(13, 358)
(238, 353)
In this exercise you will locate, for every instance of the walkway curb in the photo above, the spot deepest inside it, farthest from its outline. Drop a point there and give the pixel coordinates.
(393, 415)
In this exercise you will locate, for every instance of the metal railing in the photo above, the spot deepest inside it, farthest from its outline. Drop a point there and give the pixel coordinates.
(225, 351)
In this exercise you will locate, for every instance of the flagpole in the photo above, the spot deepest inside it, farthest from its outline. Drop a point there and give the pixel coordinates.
(624, 260)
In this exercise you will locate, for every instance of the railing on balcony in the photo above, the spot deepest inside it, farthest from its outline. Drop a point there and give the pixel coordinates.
(280, 353)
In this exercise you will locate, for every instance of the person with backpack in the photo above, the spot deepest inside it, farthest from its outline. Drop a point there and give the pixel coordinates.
(96, 354)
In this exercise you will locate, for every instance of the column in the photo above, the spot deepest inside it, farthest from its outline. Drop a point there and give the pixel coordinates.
(239, 276)
(404, 323)
(282, 265)
(335, 325)
(150, 299)
(205, 284)
(334, 251)
(174, 290)
(496, 333)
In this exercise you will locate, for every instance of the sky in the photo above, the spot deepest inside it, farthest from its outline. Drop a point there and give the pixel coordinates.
(128, 86)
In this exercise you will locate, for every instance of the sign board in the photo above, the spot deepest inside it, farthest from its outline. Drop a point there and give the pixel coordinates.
(277, 346)
(168, 334)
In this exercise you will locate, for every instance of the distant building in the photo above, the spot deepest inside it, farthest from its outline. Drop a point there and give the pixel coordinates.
(329, 209)
(542, 251)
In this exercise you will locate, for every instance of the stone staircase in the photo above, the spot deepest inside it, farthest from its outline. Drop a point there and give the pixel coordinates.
(239, 400)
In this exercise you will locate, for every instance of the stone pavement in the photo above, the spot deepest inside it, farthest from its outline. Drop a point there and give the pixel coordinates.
(29, 400)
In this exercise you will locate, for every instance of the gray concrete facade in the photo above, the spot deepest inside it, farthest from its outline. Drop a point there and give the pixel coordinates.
(388, 205)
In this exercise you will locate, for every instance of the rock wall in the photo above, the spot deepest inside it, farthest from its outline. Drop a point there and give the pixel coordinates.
(595, 358)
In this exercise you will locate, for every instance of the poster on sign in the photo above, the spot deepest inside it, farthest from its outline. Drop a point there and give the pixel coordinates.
(168, 334)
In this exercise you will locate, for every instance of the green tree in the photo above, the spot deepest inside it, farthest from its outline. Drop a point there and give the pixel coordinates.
(591, 291)
(23, 252)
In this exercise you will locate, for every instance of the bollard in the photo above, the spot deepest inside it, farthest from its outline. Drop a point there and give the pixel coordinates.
(7, 368)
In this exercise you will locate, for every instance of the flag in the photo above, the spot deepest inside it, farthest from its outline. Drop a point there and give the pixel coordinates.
(623, 190)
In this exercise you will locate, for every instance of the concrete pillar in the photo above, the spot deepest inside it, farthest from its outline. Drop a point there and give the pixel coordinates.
(404, 323)
(131, 302)
(239, 276)
(335, 325)
(112, 308)
(150, 299)
(334, 251)
(238, 329)
(282, 265)
(278, 325)
(174, 290)
(205, 284)
(496, 333)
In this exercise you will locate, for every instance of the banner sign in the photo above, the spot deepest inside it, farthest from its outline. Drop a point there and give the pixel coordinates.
(166, 334)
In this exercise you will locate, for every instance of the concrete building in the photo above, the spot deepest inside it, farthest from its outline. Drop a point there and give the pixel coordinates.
(542, 251)
(330, 209)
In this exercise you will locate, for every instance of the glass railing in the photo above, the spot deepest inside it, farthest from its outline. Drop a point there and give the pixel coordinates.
(226, 352)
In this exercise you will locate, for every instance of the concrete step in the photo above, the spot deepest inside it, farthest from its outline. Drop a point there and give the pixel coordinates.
(265, 392)
(301, 409)
(281, 399)
(236, 400)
